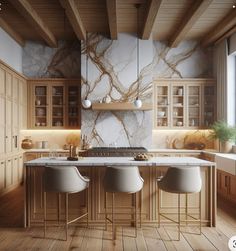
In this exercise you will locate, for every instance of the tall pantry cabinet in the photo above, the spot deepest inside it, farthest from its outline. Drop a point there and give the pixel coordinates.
(13, 118)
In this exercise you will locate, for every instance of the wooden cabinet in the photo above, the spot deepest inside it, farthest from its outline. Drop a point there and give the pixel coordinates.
(184, 103)
(13, 89)
(226, 185)
(54, 103)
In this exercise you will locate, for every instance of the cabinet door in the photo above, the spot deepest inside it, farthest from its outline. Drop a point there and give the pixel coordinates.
(2, 174)
(209, 106)
(20, 169)
(2, 82)
(57, 106)
(40, 106)
(15, 170)
(73, 115)
(178, 105)
(8, 128)
(162, 107)
(223, 181)
(193, 105)
(15, 89)
(9, 173)
(8, 85)
(2, 125)
(232, 188)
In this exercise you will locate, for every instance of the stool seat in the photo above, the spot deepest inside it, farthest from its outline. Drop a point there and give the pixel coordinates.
(64, 179)
(122, 179)
(180, 179)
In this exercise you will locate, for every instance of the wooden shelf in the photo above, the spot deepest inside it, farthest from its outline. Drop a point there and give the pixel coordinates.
(120, 107)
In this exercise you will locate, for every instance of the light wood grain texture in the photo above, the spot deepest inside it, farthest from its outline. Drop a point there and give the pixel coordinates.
(189, 20)
(112, 18)
(119, 107)
(222, 27)
(73, 15)
(11, 31)
(34, 19)
(96, 238)
(150, 16)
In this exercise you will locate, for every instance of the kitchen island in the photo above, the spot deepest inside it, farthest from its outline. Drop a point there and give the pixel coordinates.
(94, 167)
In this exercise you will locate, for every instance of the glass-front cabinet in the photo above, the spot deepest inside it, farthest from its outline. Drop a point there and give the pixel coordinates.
(177, 105)
(184, 103)
(54, 104)
(193, 105)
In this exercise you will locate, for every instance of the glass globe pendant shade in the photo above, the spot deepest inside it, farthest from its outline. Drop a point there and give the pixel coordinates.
(138, 103)
(86, 103)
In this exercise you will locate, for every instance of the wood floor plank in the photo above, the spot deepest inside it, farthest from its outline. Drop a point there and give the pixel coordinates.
(217, 238)
(140, 241)
(153, 240)
(77, 239)
(196, 241)
(129, 239)
(166, 239)
(108, 244)
(182, 244)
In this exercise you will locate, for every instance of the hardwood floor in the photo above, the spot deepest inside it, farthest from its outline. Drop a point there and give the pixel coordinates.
(149, 238)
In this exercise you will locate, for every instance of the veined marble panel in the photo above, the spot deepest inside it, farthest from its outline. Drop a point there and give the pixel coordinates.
(41, 61)
(112, 70)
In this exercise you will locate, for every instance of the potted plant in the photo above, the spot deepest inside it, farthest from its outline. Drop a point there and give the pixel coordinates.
(225, 134)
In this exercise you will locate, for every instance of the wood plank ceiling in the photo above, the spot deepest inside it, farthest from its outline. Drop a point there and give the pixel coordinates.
(207, 21)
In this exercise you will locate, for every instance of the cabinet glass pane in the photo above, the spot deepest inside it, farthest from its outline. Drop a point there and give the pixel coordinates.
(73, 106)
(178, 106)
(194, 106)
(209, 105)
(57, 106)
(40, 110)
(162, 106)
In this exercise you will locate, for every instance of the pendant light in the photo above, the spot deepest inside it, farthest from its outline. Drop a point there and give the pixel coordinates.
(86, 103)
(138, 102)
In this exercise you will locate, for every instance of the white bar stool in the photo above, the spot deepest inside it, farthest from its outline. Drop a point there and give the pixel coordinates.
(181, 180)
(64, 179)
(122, 179)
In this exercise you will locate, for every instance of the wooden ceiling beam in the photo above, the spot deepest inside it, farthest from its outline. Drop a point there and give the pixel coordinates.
(227, 34)
(11, 32)
(73, 15)
(150, 17)
(222, 27)
(189, 20)
(26, 9)
(112, 18)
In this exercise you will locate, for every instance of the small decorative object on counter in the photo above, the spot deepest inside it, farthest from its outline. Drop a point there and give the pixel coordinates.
(27, 143)
(107, 99)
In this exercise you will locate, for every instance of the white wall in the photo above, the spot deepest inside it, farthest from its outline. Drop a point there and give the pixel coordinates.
(10, 51)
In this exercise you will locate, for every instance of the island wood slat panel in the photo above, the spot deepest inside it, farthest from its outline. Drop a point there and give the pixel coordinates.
(124, 202)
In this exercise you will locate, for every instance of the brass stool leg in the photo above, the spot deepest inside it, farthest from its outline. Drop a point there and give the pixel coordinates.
(45, 213)
(200, 211)
(140, 210)
(135, 212)
(66, 210)
(159, 208)
(113, 218)
(186, 208)
(105, 211)
(87, 202)
(178, 217)
(59, 206)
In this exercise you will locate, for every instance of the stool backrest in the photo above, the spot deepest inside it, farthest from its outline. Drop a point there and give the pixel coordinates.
(182, 179)
(125, 179)
(65, 179)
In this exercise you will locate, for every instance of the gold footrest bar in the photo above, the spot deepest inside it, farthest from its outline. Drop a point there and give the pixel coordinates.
(69, 222)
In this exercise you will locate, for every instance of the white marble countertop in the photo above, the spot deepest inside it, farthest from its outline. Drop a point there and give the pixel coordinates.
(125, 161)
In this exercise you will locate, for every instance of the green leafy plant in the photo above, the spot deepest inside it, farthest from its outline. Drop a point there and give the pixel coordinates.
(222, 131)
